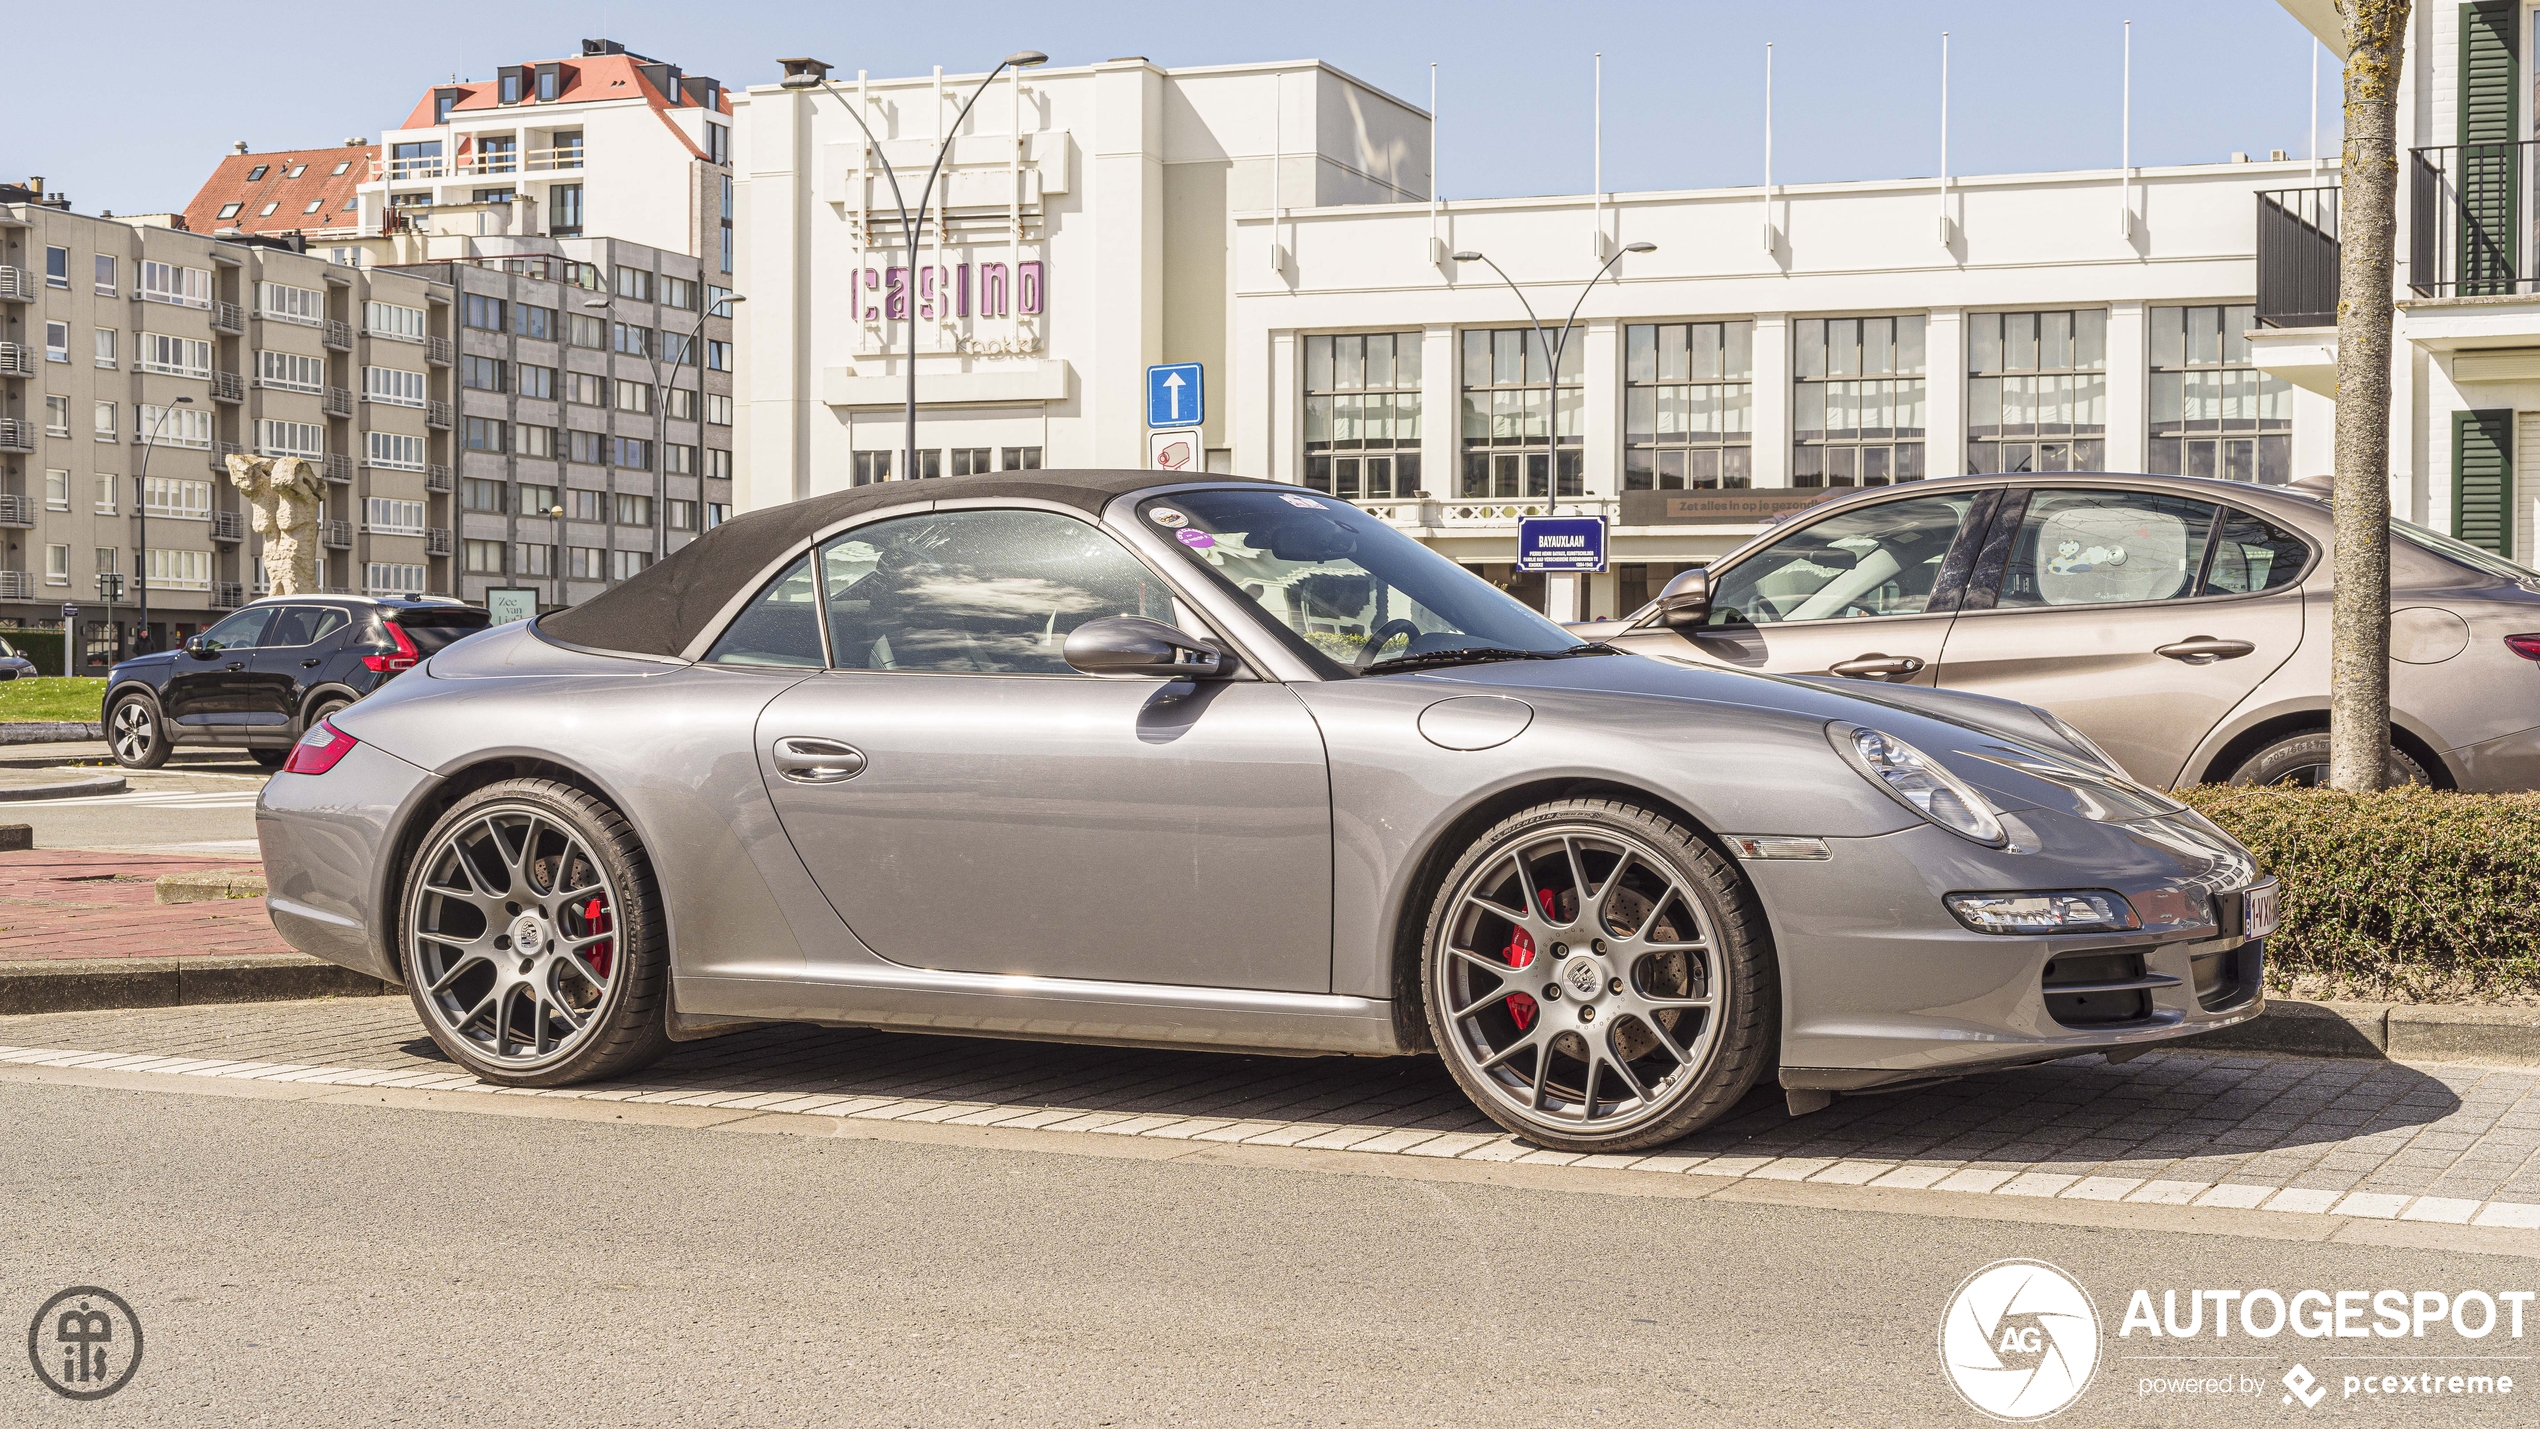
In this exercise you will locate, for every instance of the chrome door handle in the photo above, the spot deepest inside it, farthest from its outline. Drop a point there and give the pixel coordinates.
(237, 665)
(1876, 666)
(2205, 649)
(311, 664)
(817, 761)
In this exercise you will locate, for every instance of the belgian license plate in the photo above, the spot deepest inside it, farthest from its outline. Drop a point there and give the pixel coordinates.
(2257, 909)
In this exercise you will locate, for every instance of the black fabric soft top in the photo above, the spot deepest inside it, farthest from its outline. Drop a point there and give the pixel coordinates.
(662, 610)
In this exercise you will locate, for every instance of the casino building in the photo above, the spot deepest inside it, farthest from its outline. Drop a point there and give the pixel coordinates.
(1274, 223)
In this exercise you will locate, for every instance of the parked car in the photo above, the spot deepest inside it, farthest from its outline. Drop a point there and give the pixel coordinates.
(1113, 757)
(14, 666)
(271, 671)
(2181, 624)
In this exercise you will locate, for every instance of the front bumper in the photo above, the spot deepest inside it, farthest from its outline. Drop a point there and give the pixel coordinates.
(1882, 985)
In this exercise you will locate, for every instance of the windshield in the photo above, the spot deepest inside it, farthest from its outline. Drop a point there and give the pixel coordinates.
(1347, 592)
(2462, 553)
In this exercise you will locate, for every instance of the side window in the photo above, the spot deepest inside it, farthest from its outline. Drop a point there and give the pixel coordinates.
(977, 591)
(243, 631)
(300, 625)
(780, 628)
(1880, 560)
(2104, 548)
(2252, 555)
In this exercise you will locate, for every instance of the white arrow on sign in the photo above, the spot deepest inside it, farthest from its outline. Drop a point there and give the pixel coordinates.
(1173, 383)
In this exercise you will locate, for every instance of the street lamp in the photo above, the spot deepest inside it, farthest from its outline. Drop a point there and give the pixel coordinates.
(661, 407)
(805, 74)
(141, 577)
(1552, 384)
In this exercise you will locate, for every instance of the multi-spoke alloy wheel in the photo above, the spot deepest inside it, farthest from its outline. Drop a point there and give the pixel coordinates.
(134, 733)
(529, 937)
(1597, 978)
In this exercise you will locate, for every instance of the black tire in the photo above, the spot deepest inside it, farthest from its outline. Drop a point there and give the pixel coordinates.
(625, 1026)
(138, 733)
(1701, 1064)
(269, 758)
(323, 709)
(2301, 761)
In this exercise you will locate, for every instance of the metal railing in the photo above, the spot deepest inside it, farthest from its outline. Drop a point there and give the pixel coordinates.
(228, 387)
(16, 360)
(15, 286)
(16, 434)
(1483, 512)
(16, 510)
(338, 335)
(229, 317)
(221, 453)
(436, 542)
(229, 526)
(17, 585)
(336, 466)
(337, 402)
(2470, 216)
(436, 478)
(227, 595)
(437, 414)
(2297, 258)
(438, 350)
(338, 535)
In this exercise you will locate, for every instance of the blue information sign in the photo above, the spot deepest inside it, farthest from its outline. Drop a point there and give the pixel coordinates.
(1561, 543)
(1174, 395)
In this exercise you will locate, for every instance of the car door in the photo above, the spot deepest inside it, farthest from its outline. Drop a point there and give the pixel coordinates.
(2143, 617)
(291, 654)
(1866, 591)
(969, 803)
(207, 682)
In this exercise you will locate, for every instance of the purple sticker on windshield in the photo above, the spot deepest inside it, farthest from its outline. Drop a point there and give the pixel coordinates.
(1196, 540)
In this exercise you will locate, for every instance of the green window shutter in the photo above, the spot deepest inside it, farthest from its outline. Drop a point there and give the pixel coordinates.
(2490, 167)
(2483, 480)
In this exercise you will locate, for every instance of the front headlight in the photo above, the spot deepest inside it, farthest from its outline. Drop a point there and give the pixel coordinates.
(2075, 910)
(1919, 782)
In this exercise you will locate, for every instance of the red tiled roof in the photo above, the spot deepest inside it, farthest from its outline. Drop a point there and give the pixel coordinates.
(589, 79)
(318, 183)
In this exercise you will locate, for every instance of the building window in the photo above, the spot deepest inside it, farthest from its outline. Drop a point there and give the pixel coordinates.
(633, 453)
(677, 293)
(57, 267)
(971, 461)
(176, 427)
(229, 210)
(718, 143)
(393, 385)
(177, 497)
(682, 515)
(586, 389)
(678, 459)
(727, 224)
(583, 330)
(535, 322)
(538, 500)
(587, 447)
(534, 441)
(305, 306)
(585, 563)
(634, 283)
(393, 320)
(479, 495)
(632, 340)
(482, 374)
(536, 382)
(584, 505)
(2213, 412)
(682, 403)
(57, 342)
(391, 578)
(57, 416)
(391, 517)
(395, 452)
(536, 559)
(267, 210)
(2037, 391)
(634, 396)
(178, 570)
(105, 275)
(718, 356)
(549, 80)
(717, 512)
(719, 464)
(480, 311)
(633, 510)
(485, 434)
(290, 371)
(1508, 436)
(168, 283)
(484, 558)
(1362, 414)
(105, 421)
(719, 409)
(871, 467)
(1688, 406)
(1013, 459)
(278, 438)
(109, 495)
(629, 564)
(57, 490)
(257, 173)
(564, 207)
(106, 348)
(175, 356)
(1858, 401)
(57, 565)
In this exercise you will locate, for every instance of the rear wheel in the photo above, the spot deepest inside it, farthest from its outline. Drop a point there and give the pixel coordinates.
(322, 710)
(1598, 979)
(138, 733)
(532, 940)
(2301, 761)
(269, 758)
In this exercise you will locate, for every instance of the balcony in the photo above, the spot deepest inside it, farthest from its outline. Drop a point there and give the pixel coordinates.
(437, 414)
(338, 335)
(438, 350)
(16, 360)
(15, 286)
(1478, 513)
(336, 466)
(17, 585)
(221, 453)
(436, 478)
(429, 167)
(337, 402)
(555, 160)
(2297, 258)
(230, 526)
(229, 318)
(16, 435)
(16, 510)
(227, 595)
(338, 535)
(2470, 221)
(228, 387)
(436, 542)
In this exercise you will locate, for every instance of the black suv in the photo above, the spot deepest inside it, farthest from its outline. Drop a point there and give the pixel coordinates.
(263, 676)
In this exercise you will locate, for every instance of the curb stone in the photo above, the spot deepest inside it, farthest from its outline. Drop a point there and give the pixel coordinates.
(47, 731)
(99, 984)
(2398, 1031)
(210, 885)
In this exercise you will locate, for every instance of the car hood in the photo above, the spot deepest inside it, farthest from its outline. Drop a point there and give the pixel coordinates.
(142, 664)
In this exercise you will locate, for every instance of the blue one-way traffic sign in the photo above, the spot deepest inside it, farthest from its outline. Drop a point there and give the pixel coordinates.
(1174, 395)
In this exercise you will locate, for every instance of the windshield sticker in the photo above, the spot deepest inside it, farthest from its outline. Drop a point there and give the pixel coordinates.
(1196, 540)
(1306, 501)
(1168, 518)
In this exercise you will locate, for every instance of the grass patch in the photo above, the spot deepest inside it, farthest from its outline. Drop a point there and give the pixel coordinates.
(51, 697)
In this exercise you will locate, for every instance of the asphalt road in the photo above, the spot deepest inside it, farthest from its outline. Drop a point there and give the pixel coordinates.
(302, 1262)
(197, 805)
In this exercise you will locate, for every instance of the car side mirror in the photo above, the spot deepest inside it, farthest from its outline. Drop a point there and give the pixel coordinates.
(201, 647)
(1686, 602)
(1133, 645)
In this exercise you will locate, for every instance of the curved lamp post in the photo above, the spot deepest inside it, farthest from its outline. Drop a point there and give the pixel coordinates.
(142, 499)
(661, 408)
(808, 74)
(1552, 386)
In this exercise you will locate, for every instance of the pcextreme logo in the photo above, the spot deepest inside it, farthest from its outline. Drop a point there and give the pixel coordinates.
(2019, 1341)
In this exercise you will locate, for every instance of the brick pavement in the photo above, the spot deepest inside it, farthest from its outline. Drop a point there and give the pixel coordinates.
(2354, 1137)
(72, 903)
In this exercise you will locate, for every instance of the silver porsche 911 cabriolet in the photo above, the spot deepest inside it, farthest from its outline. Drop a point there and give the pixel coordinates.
(1106, 757)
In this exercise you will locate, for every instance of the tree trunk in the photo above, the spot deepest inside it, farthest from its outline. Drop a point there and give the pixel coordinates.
(2359, 618)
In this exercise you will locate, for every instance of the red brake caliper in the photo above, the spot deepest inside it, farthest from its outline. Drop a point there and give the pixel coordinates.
(595, 918)
(1521, 953)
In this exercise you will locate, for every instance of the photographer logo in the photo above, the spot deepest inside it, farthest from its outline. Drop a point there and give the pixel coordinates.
(85, 1343)
(2019, 1341)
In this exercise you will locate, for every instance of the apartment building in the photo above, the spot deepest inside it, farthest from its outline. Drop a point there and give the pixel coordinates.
(595, 416)
(134, 359)
(309, 194)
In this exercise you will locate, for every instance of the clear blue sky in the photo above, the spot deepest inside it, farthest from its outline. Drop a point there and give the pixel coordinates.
(128, 107)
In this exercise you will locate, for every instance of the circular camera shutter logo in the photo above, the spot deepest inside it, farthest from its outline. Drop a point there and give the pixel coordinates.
(2020, 1340)
(85, 1343)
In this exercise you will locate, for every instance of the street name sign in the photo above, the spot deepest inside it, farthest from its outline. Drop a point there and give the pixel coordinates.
(1561, 543)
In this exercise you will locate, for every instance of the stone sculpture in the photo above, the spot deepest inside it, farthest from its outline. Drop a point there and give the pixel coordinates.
(288, 496)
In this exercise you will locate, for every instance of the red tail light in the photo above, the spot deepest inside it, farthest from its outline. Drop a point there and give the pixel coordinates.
(404, 657)
(2527, 646)
(321, 749)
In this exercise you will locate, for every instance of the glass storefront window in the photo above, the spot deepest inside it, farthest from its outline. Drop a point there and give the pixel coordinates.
(1688, 405)
(2213, 412)
(1362, 414)
(1857, 401)
(1509, 437)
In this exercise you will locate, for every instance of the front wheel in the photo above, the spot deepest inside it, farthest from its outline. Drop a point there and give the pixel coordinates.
(137, 733)
(1598, 979)
(532, 938)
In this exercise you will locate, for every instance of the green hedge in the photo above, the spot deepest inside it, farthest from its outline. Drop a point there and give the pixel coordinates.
(2411, 895)
(44, 647)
